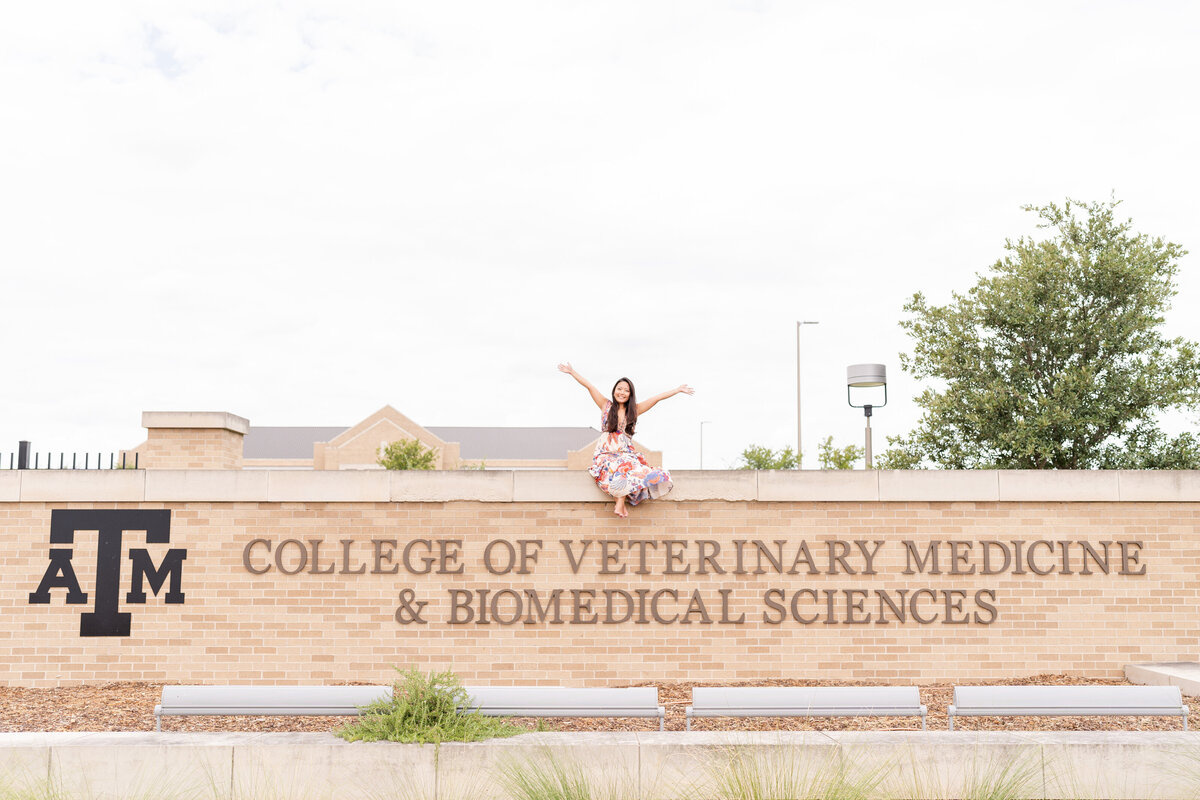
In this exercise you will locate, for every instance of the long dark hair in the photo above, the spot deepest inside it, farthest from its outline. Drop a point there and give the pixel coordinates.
(610, 424)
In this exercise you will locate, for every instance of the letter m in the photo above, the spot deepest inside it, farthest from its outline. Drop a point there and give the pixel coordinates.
(143, 567)
(931, 558)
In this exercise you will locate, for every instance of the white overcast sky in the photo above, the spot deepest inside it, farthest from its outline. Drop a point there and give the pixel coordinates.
(300, 212)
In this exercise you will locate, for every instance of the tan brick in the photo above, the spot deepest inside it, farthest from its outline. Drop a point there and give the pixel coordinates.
(238, 627)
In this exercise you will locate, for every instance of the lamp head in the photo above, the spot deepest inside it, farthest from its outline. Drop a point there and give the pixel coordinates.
(866, 376)
(861, 376)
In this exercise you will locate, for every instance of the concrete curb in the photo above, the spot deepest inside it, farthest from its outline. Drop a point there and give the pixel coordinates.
(931, 764)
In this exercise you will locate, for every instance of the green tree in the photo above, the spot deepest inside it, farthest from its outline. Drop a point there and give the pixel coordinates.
(830, 457)
(406, 454)
(758, 457)
(1055, 359)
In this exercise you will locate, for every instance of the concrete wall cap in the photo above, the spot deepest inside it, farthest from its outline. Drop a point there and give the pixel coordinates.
(83, 486)
(781, 485)
(202, 485)
(576, 486)
(221, 420)
(1058, 485)
(1159, 485)
(435, 486)
(713, 485)
(939, 485)
(562, 486)
(10, 486)
(328, 486)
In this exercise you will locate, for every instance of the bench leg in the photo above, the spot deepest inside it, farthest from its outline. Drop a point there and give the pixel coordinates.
(158, 723)
(951, 722)
(923, 722)
(688, 722)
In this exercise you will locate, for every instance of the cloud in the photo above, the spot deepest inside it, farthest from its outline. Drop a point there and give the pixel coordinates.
(301, 212)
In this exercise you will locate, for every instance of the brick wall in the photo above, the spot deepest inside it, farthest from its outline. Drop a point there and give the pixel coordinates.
(191, 448)
(191, 440)
(316, 626)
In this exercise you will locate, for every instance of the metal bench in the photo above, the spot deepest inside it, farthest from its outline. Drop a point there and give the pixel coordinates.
(500, 701)
(806, 701)
(1067, 701)
(313, 701)
(561, 701)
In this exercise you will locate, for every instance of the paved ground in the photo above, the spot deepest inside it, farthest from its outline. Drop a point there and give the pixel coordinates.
(130, 707)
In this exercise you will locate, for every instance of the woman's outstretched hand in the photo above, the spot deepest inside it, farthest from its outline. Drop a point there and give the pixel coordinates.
(597, 398)
(646, 405)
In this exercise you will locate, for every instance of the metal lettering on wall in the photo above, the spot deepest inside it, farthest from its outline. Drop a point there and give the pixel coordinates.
(106, 617)
(682, 560)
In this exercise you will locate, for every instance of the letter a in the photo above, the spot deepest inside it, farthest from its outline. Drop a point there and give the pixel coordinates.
(59, 575)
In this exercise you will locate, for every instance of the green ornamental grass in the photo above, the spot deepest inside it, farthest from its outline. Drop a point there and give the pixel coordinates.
(549, 779)
(425, 709)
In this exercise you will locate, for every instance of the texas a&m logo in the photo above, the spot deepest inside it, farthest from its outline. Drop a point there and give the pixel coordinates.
(110, 526)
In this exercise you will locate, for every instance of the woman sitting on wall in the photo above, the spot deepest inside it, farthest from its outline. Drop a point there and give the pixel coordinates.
(617, 466)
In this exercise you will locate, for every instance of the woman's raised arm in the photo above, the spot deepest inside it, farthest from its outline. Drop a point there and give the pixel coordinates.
(646, 405)
(585, 383)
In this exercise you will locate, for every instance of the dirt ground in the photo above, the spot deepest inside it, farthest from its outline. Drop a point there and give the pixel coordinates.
(128, 706)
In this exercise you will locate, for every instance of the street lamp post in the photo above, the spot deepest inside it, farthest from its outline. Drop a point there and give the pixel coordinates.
(799, 432)
(703, 422)
(862, 376)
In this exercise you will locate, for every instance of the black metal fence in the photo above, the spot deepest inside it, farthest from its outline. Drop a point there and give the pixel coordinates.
(27, 458)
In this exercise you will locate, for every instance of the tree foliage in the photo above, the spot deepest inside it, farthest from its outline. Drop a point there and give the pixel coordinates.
(407, 454)
(759, 457)
(830, 457)
(1055, 359)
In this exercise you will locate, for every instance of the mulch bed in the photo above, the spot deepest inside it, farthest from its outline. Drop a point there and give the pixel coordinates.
(129, 706)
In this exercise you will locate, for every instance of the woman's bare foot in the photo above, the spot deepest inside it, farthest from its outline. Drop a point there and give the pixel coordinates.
(619, 508)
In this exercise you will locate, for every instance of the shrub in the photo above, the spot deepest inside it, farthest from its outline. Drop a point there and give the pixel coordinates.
(758, 457)
(425, 708)
(838, 457)
(406, 454)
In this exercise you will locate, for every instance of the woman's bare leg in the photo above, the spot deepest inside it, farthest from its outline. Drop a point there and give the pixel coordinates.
(619, 509)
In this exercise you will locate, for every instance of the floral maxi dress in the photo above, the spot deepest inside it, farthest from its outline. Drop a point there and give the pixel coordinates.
(622, 471)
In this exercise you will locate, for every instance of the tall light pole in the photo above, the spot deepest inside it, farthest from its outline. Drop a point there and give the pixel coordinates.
(703, 422)
(799, 432)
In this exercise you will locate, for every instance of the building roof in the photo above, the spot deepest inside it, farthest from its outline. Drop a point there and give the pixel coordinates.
(481, 443)
(522, 443)
(263, 442)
